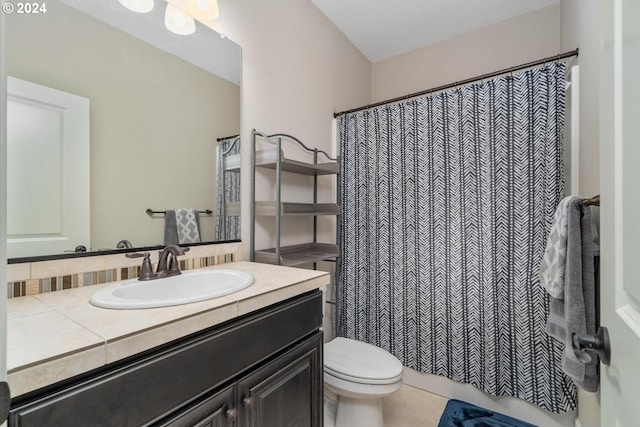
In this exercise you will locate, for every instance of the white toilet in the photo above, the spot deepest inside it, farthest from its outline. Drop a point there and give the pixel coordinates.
(357, 376)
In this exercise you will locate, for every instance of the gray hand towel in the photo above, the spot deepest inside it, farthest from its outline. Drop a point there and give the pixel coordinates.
(170, 228)
(181, 226)
(575, 313)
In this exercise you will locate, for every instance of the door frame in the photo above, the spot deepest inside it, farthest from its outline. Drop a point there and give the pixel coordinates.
(3, 199)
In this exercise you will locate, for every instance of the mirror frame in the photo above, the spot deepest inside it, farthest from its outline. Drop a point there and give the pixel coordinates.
(68, 255)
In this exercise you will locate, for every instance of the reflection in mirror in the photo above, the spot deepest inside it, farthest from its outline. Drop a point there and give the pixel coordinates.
(228, 189)
(157, 104)
(48, 204)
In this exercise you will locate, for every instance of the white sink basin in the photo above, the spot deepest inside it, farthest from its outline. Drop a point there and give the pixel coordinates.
(188, 287)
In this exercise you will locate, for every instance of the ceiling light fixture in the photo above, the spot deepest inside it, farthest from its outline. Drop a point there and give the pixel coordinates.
(203, 10)
(178, 22)
(140, 6)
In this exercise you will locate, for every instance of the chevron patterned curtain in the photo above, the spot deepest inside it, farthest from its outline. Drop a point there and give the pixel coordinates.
(447, 203)
(231, 193)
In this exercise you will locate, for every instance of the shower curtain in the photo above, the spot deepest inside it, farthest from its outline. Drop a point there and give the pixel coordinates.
(230, 192)
(447, 201)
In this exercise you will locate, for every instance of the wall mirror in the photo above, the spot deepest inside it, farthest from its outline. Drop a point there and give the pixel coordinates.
(157, 105)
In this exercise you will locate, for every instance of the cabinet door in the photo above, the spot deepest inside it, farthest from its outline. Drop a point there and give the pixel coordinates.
(287, 391)
(217, 410)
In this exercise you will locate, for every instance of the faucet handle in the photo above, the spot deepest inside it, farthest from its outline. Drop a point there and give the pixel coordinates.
(137, 255)
(177, 250)
(174, 264)
(146, 271)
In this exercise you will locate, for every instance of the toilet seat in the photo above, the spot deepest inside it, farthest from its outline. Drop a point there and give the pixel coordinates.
(372, 381)
(360, 362)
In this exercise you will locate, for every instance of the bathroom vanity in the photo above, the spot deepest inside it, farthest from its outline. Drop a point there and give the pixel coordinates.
(261, 368)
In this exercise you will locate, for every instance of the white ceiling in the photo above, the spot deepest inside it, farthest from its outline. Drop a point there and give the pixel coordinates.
(385, 28)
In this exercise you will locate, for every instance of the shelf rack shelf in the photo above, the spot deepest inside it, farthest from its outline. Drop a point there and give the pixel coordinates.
(287, 209)
(274, 158)
(294, 255)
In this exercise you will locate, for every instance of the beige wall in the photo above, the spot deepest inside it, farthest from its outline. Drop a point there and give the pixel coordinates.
(154, 121)
(297, 70)
(512, 42)
(579, 28)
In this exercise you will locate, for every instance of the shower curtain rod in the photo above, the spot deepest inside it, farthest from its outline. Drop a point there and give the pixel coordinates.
(463, 82)
(228, 137)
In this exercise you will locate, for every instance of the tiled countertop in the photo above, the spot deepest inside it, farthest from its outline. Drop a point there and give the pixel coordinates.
(57, 335)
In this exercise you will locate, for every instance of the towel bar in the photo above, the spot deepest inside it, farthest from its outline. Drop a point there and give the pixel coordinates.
(150, 212)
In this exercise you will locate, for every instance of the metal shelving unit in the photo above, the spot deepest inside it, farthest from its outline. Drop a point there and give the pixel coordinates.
(273, 158)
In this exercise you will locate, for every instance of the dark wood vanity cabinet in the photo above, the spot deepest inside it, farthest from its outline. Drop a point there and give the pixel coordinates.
(286, 392)
(263, 369)
(214, 411)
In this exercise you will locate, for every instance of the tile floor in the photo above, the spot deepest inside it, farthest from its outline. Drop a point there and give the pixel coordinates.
(412, 407)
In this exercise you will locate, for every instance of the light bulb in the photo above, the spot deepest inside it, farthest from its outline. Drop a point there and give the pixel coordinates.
(140, 6)
(178, 22)
(203, 10)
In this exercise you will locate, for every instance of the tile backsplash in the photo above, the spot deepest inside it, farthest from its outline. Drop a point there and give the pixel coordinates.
(55, 275)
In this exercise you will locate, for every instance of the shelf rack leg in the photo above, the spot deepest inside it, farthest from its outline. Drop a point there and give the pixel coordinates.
(278, 199)
(252, 248)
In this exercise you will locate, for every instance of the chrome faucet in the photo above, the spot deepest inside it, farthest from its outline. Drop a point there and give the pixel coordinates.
(168, 264)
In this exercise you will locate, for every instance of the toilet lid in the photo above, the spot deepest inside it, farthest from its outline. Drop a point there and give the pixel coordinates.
(361, 362)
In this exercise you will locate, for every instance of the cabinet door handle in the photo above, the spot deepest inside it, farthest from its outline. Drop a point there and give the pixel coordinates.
(232, 415)
(248, 402)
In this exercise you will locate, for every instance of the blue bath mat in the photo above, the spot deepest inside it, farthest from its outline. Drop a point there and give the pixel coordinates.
(462, 414)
